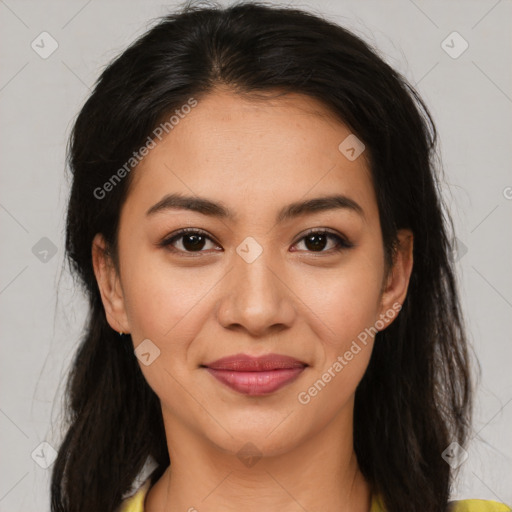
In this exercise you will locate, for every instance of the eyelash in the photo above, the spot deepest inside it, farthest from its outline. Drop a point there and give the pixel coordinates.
(341, 242)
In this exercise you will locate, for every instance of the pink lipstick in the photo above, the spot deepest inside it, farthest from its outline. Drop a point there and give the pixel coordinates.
(256, 375)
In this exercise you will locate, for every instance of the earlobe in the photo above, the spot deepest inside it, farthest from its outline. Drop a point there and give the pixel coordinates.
(109, 286)
(397, 284)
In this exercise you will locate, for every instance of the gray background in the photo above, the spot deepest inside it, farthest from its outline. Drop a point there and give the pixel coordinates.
(42, 312)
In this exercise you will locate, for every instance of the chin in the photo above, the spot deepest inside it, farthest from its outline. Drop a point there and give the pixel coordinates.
(264, 439)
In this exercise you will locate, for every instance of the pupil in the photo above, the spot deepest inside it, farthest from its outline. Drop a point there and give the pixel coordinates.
(197, 242)
(312, 245)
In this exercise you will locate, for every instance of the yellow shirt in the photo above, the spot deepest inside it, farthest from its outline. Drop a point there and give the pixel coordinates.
(136, 504)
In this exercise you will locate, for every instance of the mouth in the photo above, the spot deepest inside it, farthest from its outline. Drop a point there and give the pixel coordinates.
(255, 376)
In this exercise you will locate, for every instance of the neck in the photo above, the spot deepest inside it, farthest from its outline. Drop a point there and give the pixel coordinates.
(321, 473)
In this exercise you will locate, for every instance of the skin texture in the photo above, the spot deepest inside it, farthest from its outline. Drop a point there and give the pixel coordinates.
(254, 157)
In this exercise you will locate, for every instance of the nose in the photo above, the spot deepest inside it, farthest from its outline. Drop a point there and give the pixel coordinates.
(256, 298)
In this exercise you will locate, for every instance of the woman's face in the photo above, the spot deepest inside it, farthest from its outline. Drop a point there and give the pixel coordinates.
(256, 283)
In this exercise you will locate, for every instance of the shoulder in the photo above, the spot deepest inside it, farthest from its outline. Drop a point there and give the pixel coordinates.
(135, 503)
(457, 506)
(477, 506)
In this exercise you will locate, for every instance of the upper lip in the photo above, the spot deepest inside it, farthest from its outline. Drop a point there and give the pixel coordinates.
(246, 363)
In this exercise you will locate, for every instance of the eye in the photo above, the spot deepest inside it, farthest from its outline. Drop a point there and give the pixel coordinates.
(190, 239)
(194, 240)
(317, 240)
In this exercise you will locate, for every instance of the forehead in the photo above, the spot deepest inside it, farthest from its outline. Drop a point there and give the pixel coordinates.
(270, 151)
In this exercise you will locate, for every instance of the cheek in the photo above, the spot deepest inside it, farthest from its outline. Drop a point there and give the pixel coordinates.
(167, 306)
(346, 300)
(161, 300)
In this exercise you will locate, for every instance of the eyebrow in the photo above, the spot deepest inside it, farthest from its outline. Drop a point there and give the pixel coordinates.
(293, 210)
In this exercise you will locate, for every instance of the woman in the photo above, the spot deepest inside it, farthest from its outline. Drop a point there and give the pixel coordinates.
(274, 320)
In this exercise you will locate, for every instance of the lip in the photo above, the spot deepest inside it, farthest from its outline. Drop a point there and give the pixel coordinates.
(246, 363)
(256, 375)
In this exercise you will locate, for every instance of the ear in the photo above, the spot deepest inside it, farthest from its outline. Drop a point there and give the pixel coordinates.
(395, 288)
(109, 285)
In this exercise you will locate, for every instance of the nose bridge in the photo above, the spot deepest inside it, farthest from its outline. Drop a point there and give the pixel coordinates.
(256, 297)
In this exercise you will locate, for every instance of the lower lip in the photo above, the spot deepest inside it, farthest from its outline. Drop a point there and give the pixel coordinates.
(256, 383)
